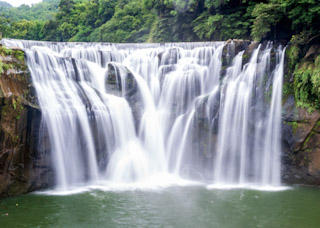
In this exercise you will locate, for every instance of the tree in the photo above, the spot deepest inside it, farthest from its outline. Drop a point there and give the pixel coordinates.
(266, 16)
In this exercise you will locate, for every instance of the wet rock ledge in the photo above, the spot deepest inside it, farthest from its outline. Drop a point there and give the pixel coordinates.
(301, 145)
(24, 163)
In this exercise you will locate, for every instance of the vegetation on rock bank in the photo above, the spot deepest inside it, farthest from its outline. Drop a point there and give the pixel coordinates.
(303, 72)
(160, 20)
(11, 60)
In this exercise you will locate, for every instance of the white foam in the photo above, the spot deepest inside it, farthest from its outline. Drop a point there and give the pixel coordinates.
(155, 183)
(266, 188)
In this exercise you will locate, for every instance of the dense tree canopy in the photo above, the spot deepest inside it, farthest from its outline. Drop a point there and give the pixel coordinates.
(161, 20)
(42, 11)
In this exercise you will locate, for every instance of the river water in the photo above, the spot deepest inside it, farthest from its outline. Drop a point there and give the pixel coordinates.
(188, 206)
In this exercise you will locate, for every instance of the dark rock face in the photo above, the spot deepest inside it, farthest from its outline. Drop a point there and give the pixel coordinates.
(23, 167)
(301, 145)
(127, 89)
(24, 158)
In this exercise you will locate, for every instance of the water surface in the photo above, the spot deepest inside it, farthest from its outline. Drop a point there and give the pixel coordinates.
(194, 206)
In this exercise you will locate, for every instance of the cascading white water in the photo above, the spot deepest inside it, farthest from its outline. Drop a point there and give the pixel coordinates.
(129, 113)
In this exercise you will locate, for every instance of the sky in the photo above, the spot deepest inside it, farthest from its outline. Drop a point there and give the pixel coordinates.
(20, 2)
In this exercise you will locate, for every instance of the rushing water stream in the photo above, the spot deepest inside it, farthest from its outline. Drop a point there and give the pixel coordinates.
(159, 113)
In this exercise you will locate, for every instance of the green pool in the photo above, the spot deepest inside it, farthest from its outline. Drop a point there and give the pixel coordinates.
(194, 206)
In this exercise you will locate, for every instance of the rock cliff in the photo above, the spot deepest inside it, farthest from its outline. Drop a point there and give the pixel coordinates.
(24, 163)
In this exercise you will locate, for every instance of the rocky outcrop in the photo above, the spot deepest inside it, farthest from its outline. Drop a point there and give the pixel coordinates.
(24, 161)
(301, 145)
(121, 82)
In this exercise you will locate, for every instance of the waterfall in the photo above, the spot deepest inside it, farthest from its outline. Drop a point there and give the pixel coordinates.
(131, 113)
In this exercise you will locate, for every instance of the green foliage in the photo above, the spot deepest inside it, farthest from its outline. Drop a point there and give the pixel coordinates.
(42, 11)
(287, 90)
(5, 26)
(162, 20)
(1, 67)
(303, 13)
(292, 53)
(130, 23)
(266, 16)
(162, 7)
(4, 52)
(307, 84)
(19, 55)
(214, 4)
(17, 63)
(315, 79)
(24, 29)
(14, 104)
(300, 15)
(221, 27)
(77, 20)
(160, 32)
(223, 19)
